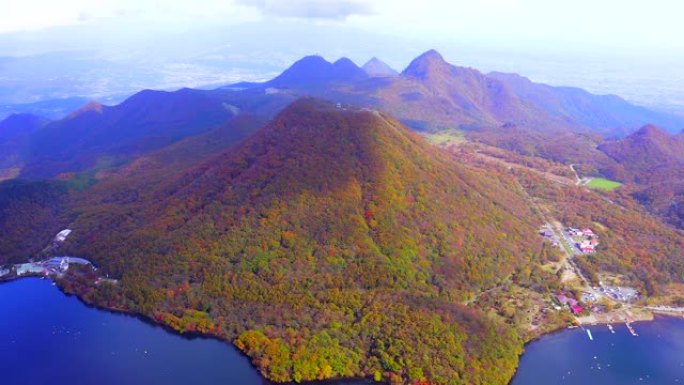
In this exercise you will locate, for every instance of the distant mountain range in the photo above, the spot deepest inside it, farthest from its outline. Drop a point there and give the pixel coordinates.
(430, 94)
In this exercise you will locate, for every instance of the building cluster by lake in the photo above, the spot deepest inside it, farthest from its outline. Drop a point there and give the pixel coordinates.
(585, 240)
(54, 266)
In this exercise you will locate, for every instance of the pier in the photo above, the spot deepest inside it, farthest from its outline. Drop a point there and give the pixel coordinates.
(631, 329)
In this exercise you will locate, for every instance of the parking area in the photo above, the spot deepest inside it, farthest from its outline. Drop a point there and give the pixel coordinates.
(620, 293)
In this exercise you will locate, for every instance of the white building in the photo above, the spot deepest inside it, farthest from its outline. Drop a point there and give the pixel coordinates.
(62, 235)
(29, 268)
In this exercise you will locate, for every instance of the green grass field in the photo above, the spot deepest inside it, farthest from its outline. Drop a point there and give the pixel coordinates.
(446, 137)
(603, 184)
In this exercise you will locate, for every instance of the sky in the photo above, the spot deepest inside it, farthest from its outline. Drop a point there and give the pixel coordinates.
(598, 24)
(96, 48)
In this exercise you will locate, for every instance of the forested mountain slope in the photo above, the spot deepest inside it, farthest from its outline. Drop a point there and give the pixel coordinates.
(331, 243)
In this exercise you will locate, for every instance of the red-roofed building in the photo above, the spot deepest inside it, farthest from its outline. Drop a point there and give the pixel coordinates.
(576, 309)
(587, 249)
(587, 233)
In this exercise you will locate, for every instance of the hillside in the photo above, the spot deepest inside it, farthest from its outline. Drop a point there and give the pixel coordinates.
(638, 247)
(103, 138)
(31, 213)
(331, 243)
(20, 124)
(647, 153)
(15, 131)
(566, 147)
(97, 135)
(608, 115)
(645, 251)
(653, 160)
(435, 94)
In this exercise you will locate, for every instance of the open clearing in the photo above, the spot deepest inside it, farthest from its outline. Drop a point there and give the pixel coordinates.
(603, 184)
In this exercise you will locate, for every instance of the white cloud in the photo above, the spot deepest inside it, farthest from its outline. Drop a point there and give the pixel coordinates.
(311, 9)
(621, 23)
(595, 23)
(36, 14)
(31, 15)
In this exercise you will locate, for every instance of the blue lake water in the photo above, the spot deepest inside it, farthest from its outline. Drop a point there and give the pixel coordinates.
(47, 337)
(656, 356)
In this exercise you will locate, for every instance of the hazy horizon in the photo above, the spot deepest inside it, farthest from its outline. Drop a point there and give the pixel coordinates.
(108, 49)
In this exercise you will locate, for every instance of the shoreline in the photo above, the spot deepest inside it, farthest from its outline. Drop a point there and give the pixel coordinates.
(187, 335)
(653, 315)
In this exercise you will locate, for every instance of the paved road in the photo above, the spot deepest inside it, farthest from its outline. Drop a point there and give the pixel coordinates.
(577, 178)
(666, 309)
(478, 295)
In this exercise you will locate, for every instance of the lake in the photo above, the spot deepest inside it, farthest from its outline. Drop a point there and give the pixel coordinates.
(47, 337)
(656, 356)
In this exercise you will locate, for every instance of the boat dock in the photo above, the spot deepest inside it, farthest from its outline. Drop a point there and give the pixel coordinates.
(631, 329)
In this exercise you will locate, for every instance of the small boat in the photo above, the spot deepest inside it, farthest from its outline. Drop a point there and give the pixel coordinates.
(589, 334)
(610, 327)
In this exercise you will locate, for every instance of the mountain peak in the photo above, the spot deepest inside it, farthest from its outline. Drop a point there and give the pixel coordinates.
(311, 60)
(306, 69)
(377, 68)
(431, 54)
(425, 65)
(91, 106)
(345, 69)
(312, 110)
(651, 131)
(345, 62)
(313, 70)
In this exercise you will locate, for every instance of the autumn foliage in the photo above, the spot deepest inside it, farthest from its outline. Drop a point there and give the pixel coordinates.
(332, 243)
